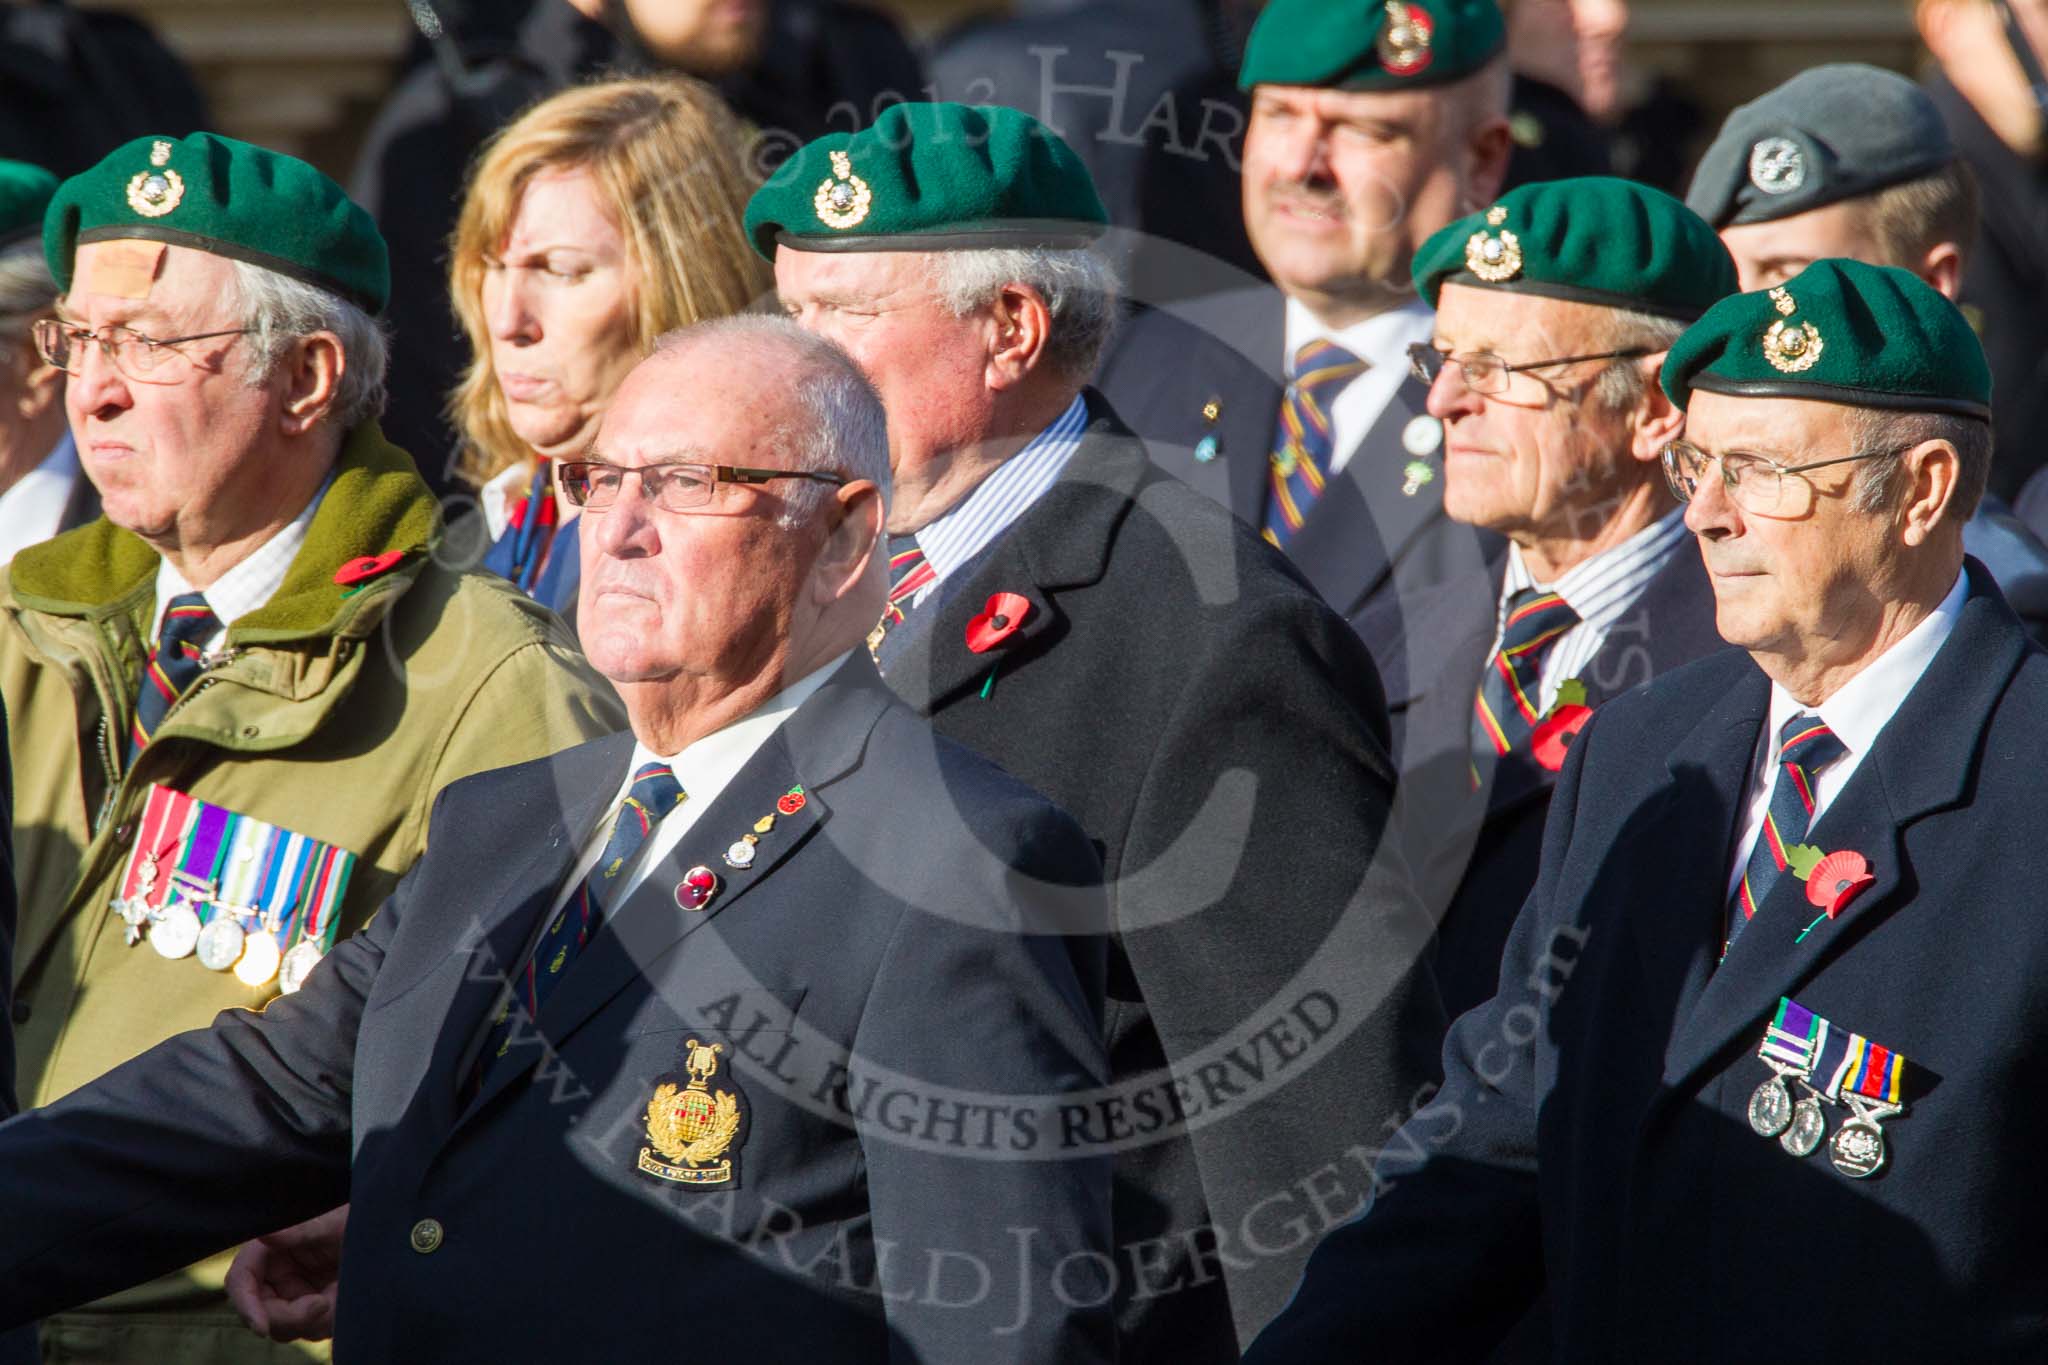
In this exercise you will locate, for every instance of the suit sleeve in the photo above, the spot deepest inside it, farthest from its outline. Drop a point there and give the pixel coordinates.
(1448, 1256)
(209, 1138)
(1260, 891)
(984, 1222)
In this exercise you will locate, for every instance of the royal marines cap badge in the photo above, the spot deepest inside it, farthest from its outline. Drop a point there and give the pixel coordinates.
(1404, 44)
(156, 191)
(1776, 165)
(842, 202)
(694, 1131)
(1790, 346)
(1494, 258)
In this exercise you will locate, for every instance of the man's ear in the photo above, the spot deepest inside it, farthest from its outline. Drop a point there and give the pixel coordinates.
(1933, 469)
(312, 371)
(1659, 421)
(1022, 326)
(852, 545)
(1487, 149)
(1942, 267)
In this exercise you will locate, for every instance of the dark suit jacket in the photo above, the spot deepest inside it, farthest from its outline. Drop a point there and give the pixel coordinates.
(1592, 1128)
(1221, 735)
(1474, 857)
(1364, 542)
(891, 1031)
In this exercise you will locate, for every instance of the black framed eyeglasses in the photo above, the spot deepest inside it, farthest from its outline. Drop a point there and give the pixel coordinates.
(1487, 373)
(1757, 484)
(673, 487)
(143, 358)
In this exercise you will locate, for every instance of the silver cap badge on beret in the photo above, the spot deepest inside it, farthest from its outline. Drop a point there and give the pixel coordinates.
(1495, 259)
(1789, 346)
(1776, 165)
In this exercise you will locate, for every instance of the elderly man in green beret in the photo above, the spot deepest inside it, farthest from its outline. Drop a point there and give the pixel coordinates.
(1758, 1081)
(1372, 126)
(42, 489)
(1555, 307)
(1122, 644)
(232, 698)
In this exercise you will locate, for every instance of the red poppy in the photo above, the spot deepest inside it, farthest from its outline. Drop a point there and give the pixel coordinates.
(998, 621)
(1838, 879)
(366, 567)
(696, 889)
(1553, 736)
(790, 803)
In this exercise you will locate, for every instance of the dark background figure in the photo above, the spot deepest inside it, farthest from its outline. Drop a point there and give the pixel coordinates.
(1558, 56)
(76, 83)
(794, 69)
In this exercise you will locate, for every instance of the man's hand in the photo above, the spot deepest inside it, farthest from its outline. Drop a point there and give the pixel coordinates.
(283, 1285)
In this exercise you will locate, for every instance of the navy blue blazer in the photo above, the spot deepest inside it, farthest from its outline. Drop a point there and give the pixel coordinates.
(1591, 1135)
(894, 1040)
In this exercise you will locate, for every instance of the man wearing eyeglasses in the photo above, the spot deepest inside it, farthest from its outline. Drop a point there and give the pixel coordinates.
(1554, 308)
(233, 697)
(747, 1030)
(1760, 1080)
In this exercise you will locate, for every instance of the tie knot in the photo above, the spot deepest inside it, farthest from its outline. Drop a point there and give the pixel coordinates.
(655, 790)
(1806, 740)
(1534, 619)
(187, 620)
(1324, 364)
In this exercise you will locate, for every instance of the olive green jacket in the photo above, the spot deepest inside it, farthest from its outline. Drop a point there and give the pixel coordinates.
(339, 717)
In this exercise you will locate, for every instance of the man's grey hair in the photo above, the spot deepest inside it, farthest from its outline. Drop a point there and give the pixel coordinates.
(26, 289)
(1078, 285)
(280, 310)
(835, 422)
(1622, 385)
(1881, 484)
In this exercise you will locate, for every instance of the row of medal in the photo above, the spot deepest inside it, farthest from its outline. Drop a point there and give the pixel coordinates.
(1834, 1066)
(233, 891)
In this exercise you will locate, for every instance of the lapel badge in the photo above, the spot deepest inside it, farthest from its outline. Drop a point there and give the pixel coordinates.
(1495, 259)
(1776, 165)
(1419, 438)
(697, 887)
(997, 621)
(1790, 347)
(692, 1126)
(1403, 45)
(156, 191)
(842, 202)
(791, 801)
(1211, 445)
(1552, 738)
(741, 854)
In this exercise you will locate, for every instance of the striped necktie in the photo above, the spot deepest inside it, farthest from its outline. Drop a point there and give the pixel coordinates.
(1303, 442)
(1805, 746)
(1506, 709)
(909, 573)
(654, 793)
(174, 665)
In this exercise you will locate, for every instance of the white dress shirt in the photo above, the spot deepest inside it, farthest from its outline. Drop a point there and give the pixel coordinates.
(1856, 713)
(1381, 341)
(33, 508)
(703, 768)
(1602, 591)
(245, 587)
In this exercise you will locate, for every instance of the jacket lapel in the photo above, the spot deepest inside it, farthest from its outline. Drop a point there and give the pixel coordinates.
(1363, 523)
(1247, 427)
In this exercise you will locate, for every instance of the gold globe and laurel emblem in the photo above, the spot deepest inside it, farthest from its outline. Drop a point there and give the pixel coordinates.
(1494, 258)
(156, 191)
(692, 1125)
(1403, 45)
(1789, 346)
(842, 202)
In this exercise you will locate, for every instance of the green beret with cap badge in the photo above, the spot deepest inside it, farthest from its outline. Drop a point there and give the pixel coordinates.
(1869, 336)
(228, 197)
(25, 192)
(1595, 239)
(930, 177)
(1371, 44)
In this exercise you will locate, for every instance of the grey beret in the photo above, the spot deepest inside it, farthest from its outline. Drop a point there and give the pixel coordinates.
(1828, 134)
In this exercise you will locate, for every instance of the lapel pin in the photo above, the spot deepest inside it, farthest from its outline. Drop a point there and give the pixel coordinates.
(740, 854)
(1211, 444)
(1419, 438)
(1552, 738)
(697, 887)
(790, 802)
(999, 619)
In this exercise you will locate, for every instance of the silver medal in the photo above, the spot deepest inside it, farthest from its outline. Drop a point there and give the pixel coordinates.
(297, 966)
(1808, 1127)
(259, 961)
(220, 944)
(1858, 1147)
(1770, 1107)
(174, 931)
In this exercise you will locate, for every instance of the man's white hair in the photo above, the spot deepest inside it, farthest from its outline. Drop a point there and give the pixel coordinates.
(280, 310)
(1078, 286)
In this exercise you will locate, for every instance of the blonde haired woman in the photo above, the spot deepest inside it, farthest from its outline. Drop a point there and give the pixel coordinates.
(599, 219)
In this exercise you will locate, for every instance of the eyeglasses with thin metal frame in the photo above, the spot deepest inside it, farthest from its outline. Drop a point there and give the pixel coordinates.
(673, 487)
(139, 356)
(1487, 373)
(1755, 483)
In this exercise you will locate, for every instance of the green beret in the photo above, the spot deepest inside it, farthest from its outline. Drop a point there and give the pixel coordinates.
(1371, 44)
(1870, 336)
(1831, 133)
(25, 192)
(1592, 240)
(930, 177)
(215, 194)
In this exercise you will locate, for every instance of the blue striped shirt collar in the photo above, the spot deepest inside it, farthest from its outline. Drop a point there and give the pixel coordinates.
(1602, 588)
(972, 524)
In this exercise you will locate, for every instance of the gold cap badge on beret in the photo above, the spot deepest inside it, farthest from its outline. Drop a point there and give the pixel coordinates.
(1403, 45)
(1495, 259)
(155, 192)
(1790, 346)
(842, 202)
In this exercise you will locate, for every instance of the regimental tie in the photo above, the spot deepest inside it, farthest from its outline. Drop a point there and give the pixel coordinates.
(1805, 747)
(177, 662)
(1303, 441)
(909, 573)
(1506, 709)
(654, 793)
